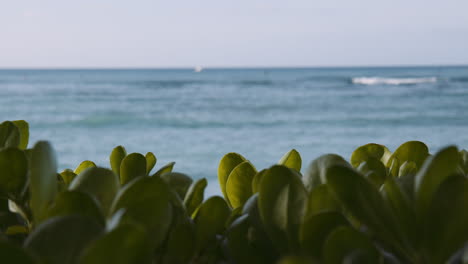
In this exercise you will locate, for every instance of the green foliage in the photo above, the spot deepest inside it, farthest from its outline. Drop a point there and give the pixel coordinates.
(406, 206)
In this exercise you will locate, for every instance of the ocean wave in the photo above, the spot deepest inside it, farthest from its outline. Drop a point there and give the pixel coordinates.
(392, 81)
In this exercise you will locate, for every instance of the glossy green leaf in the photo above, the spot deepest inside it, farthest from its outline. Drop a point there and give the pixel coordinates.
(13, 172)
(239, 184)
(100, 183)
(195, 195)
(76, 203)
(83, 166)
(43, 179)
(62, 239)
(407, 168)
(10, 253)
(316, 228)
(414, 151)
(371, 150)
(116, 157)
(374, 170)
(256, 180)
(9, 135)
(320, 200)
(343, 241)
(125, 244)
(23, 128)
(445, 227)
(132, 166)
(292, 159)
(150, 162)
(317, 170)
(282, 199)
(226, 165)
(164, 169)
(178, 181)
(434, 171)
(67, 176)
(210, 220)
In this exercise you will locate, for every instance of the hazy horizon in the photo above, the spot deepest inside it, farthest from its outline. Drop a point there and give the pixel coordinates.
(214, 34)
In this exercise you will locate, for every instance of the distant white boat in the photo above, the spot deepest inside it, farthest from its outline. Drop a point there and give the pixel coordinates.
(198, 69)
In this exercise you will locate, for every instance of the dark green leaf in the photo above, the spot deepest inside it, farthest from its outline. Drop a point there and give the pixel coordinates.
(239, 184)
(9, 135)
(13, 172)
(150, 162)
(195, 195)
(178, 181)
(116, 157)
(226, 165)
(10, 253)
(371, 150)
(76, 203)
(132, 166)
(317, 171)
(414, 151)
(164, 169)
(23, 128)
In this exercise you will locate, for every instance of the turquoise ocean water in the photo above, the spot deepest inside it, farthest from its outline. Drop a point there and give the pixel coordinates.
(195, 118)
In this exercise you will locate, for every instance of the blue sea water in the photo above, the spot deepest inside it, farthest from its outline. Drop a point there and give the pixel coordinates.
(195, 118)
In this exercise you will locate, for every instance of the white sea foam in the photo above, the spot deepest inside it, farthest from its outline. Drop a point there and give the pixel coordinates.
(392, 81)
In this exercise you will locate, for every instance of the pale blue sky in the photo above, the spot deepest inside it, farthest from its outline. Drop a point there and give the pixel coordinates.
(152, 33)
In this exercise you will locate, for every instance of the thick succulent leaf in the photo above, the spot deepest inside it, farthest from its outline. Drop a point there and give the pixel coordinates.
(315, 230)
(434, 171)
(445, 227)
(464, 161)
(43, 179)
(9, 135)
(239, 184)
(256, 180)
(226, 165)
(83, 166)
(132, 166)
(414, 151)
(178, 182)
(320, 200)
(317, 171)
(23, 128)
(282, 199)
(164, 169)
(116, 157)
(210, 220)
(371, 150)
(407, 168)
(76, 203)
(13, 172)
(101, 184)
(297, 260)
(180, 247)
(195, 195)
(62, 239)
(374, 170)
(125, 244)
(292, 159)
(343, 241)
(67, 176)
(11, 253)
(150, 162)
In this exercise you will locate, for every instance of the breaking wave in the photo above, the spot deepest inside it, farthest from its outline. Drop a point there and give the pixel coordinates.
(392, 81)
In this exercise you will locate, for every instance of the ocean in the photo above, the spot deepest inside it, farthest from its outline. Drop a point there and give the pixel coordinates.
(194, 118)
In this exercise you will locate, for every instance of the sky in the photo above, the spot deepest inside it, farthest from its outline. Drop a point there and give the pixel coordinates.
(240, 33)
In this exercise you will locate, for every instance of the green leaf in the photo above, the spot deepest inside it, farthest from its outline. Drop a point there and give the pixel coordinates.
(374, 170)
(13, 172)
(178, 181)
(316, 228)
(101, 184)
(343, 241)
(76, 203)
(297, 260)
(282, 198)
(62, 239)
(434, 171)
(116, 157)
(210, 220)
(132, 166)
(67, 176)
(445, 229)
(195, 195)
(9, 135)
(43, 179)
(256, 180)
(317, 171)
(125, 244)
(238, 185)
(371, 150)
(321, 199)
(414, 151)
(180, 244)
(83, 166)
(146, 201)
(150, 162)
(464, 161)
(23, 128)
(292, 159)
(164, 169)
(226, 165)
(10, 253)
(407, 168)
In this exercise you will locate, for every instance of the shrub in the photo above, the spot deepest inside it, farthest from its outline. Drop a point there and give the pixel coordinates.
(408, 206)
